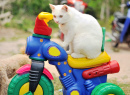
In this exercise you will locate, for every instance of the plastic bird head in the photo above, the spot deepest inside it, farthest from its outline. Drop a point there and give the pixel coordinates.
(41, 26)
(45, 16)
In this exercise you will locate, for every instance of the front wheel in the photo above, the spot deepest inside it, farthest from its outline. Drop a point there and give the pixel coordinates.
(19, 85)
(107, 89)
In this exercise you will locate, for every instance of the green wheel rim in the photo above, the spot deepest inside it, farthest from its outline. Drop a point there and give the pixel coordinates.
(107, 88)
(19, 80)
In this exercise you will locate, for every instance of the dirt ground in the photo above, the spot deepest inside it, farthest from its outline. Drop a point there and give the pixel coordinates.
(11, 47)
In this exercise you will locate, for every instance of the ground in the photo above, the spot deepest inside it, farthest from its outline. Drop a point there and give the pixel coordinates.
(11, 40)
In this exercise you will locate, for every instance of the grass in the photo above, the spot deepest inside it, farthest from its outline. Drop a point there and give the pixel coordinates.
(26, 23)
(106, 23)
(18, 35)
(22, 22)
(125, 86)
(57, 85)
(2, 39)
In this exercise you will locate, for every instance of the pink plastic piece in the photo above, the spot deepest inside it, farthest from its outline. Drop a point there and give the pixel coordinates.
(27, 67)
(23, 69)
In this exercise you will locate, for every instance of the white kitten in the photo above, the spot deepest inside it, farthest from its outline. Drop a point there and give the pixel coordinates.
(82, 32)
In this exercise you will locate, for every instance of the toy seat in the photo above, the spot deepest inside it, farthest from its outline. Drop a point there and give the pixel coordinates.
(82, 63)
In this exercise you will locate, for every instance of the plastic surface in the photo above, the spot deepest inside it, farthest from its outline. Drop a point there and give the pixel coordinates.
(125, 29)
(128, 4)
(35, 74)
(19, 80)
(41, 26)
(72, 79)
(109, 68)
(126, 24)
(26, 68)
(45, 16)
(28, 93)
(107, 89)
(103, 40)
(81, 63)
(40, 48)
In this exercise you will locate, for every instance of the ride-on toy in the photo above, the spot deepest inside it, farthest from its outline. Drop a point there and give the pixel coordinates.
(121, 28)
(78, 76)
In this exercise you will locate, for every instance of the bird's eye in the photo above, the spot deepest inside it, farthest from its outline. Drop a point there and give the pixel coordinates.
(54, 16)
(61, 16)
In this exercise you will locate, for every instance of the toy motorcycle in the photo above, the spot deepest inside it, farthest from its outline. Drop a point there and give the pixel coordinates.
(78, 76)
(121, 28)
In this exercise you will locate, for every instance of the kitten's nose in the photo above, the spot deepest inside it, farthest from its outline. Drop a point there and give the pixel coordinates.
(57, 21)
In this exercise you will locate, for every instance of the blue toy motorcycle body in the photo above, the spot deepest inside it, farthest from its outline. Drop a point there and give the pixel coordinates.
(79, 76)
(42, 49)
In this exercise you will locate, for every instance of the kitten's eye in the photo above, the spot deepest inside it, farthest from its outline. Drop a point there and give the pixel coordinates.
(61, 16)
(54, 16)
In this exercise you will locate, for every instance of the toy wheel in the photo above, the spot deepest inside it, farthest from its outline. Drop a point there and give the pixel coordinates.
(107, 89)
(115, 44)
(19, 85)
(116, 35)
(129, 44)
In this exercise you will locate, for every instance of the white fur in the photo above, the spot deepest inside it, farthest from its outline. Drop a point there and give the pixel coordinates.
(82, 32)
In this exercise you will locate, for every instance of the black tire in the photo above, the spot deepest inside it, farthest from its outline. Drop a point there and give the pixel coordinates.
(116, 42)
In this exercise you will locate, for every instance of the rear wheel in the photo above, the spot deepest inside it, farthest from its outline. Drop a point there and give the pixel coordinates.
(19, 85)
(107, 89)
(116, 35)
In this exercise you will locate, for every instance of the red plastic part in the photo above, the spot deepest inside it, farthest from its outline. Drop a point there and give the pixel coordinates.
(41, 28)
(109, 68)
(27, 67)
(73, 1)
(62, 36)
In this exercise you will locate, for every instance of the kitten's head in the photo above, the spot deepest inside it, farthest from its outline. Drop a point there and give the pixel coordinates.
(60, 13)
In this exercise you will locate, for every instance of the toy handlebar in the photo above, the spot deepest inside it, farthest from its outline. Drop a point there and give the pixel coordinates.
(45, 15)
(109, 68)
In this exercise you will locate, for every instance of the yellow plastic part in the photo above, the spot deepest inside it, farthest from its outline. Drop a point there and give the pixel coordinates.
(82, 63)
(45, 16)
(74, 92)
(25, 88)
(53, 51)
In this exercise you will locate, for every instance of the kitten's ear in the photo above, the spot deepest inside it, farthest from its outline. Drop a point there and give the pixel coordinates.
(52, 6)
(65, 8)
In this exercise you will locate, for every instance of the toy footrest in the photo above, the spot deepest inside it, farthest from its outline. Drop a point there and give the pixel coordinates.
(109, 68)
(83, 63)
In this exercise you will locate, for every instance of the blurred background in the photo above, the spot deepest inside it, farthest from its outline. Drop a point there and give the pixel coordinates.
(17, 20)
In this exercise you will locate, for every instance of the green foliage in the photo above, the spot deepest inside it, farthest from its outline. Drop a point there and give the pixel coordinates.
(96, 6)
(52, 24)
(26, 23)
(32, 7)
(23, 23)
(25, 12)
(90, 11)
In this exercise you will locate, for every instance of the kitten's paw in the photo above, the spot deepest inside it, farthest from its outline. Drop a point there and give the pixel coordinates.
(64, 44)
(77, 55)
(69, 52)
